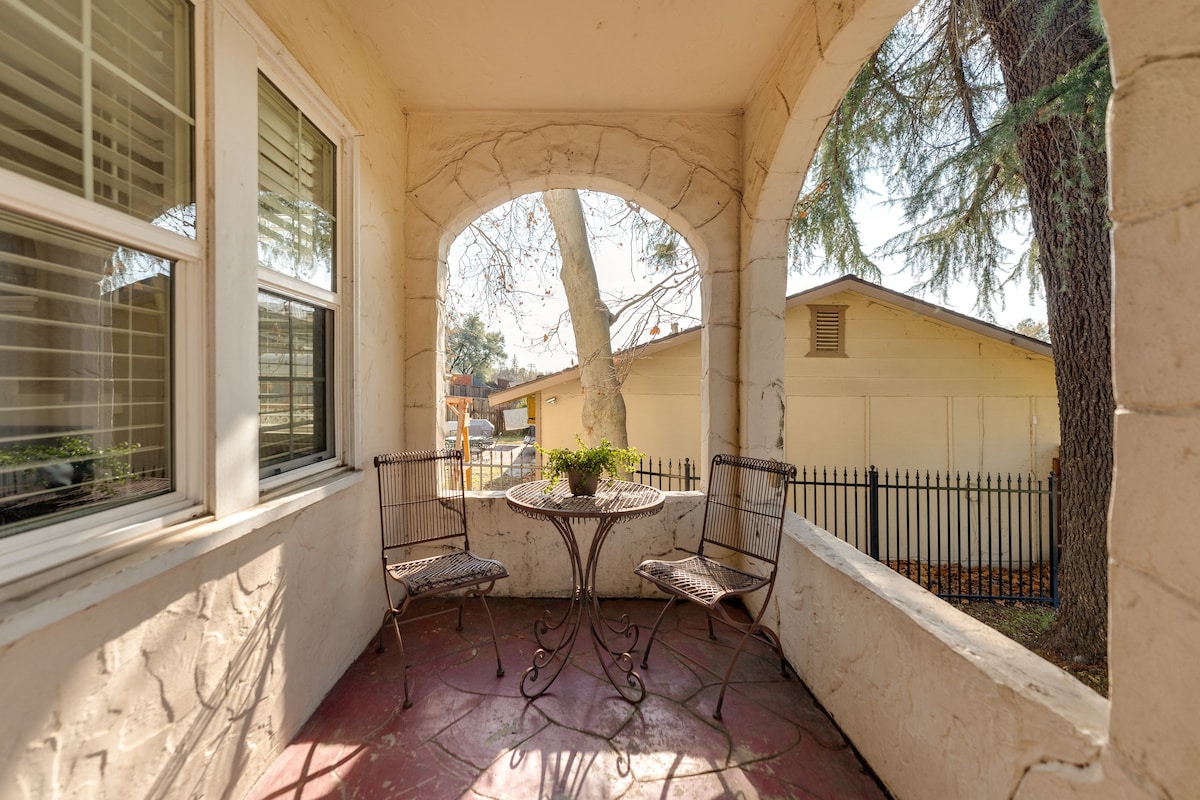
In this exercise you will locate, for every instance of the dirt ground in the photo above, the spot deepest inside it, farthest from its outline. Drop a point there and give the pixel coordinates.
(1024, 623)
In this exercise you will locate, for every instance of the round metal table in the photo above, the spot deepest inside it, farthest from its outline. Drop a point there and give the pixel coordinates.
(614, 500)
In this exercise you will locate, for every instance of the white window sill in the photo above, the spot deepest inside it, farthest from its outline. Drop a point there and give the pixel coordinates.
(37, 601)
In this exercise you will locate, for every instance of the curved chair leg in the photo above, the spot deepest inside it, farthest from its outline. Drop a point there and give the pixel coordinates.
(382, 625)
(751, 629)
(403, 662)
(654, 630)
(772, 639)
(495, 642)
(729, 672)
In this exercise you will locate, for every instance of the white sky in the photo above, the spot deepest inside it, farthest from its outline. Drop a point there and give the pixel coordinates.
(613, 265)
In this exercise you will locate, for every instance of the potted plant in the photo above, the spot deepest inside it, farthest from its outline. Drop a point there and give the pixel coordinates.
(584, 465)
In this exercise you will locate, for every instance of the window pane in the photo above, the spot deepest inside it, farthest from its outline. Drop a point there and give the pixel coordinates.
(122, 138)
(296, 222)
(85, 332)
(293, 404)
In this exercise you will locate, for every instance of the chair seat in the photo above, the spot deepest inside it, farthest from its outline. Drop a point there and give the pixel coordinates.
(445, 572)
(699, 579)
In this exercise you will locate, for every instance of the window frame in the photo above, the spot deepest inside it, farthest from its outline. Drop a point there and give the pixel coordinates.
(44, 547)
(281, 70)
(207, 403)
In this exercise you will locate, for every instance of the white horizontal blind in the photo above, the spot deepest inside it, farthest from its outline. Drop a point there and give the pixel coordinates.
(96, 99)
(85, 367)
(296, 203)
(297, 226)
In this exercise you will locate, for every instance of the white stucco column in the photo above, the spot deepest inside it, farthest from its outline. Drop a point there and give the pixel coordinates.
(763, 295)
(1154, 596)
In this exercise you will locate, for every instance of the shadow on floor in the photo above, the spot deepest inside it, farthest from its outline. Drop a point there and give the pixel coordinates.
(470, 734)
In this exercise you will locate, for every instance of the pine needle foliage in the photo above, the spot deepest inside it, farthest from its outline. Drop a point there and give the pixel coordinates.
(928, 116)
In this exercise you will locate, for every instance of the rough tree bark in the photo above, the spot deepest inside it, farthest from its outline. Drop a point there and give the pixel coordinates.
(1066, 177)
(603, 405)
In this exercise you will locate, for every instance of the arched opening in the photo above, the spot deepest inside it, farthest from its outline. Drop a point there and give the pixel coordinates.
(513, 329)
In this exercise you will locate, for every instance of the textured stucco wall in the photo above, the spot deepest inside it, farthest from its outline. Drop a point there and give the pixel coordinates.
(939, 704)
(186, 683)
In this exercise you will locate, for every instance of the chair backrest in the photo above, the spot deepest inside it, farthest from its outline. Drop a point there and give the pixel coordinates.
(422, 497)
(744, 509)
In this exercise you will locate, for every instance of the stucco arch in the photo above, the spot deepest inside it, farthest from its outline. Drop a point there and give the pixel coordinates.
(784, 123)
(683, 169)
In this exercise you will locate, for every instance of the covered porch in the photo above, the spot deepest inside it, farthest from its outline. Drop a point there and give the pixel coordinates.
(184, 657)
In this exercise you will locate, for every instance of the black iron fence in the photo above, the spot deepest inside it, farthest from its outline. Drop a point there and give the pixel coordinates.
(976, 537)
(504, 465)
(671, 475)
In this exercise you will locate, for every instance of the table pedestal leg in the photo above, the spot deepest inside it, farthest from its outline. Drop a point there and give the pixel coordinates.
(615, 660)
(551, 655)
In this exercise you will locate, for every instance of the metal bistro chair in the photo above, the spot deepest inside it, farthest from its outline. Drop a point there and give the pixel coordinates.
(422, 500)
(743, 514)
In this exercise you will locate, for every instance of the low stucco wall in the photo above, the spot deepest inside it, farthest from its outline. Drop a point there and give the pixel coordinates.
(939, 704)
(187, 683)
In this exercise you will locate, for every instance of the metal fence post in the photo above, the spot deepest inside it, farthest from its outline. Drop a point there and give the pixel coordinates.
(873, 512)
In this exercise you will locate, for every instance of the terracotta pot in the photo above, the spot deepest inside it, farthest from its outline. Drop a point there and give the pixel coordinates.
(582, 483)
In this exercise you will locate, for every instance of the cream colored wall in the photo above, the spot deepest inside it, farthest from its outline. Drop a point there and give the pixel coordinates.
(181, 667)
(895, 667)
(662, 404)
(915, 392)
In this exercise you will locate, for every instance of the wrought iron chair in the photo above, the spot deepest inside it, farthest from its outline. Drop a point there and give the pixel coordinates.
(422, 501)
(743, 514)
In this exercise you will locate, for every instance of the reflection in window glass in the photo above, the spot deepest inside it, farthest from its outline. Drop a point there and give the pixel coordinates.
(292, 382)
(295, 197)
(97, 100)
(85, 331)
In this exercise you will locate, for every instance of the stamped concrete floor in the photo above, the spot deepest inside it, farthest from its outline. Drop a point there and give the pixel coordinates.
(470, 734)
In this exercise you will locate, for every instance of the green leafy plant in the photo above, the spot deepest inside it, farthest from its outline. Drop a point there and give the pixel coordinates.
(107, 466)
(587, 460)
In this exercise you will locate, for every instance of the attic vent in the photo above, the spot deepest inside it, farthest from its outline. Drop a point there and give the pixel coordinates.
(828, 330)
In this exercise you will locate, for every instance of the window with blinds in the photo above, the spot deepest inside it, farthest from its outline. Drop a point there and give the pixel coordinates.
(292, 378)
(296, 240)
(828, 330)
(96, 100)
(85, 332)
(295, 192)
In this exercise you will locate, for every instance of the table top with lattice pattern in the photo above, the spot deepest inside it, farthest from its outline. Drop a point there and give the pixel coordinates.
(613, 499)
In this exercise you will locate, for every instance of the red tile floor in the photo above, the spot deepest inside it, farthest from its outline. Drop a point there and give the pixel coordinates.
(470, 734)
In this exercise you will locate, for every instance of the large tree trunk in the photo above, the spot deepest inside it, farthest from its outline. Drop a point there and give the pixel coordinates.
(1067, 179)
(603, 405)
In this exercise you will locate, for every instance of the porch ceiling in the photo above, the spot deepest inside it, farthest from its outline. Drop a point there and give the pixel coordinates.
(625, 55)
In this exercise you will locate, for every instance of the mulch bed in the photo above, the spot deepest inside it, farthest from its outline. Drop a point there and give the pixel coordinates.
(956, 580)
